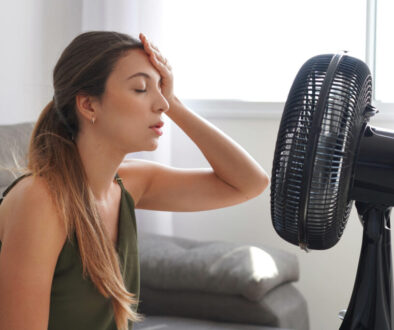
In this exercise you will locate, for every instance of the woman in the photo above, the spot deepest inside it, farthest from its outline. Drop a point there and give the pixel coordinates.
(69, 255)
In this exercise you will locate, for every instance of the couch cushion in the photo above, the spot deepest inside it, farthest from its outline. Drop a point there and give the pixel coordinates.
(283, 306)
(173, 263)
(179, 323)
(13, 151)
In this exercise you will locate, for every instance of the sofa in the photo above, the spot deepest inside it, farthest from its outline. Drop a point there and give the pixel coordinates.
(196, 284)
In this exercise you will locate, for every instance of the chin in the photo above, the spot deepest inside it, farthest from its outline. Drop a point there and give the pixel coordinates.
(152, 146)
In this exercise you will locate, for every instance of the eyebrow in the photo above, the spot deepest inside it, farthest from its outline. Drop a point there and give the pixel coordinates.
(139, 74)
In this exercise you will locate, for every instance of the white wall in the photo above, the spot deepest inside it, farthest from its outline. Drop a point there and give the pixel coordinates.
(33, 33)
(327, 277)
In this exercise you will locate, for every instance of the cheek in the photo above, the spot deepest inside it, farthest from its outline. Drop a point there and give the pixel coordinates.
(126, 112)
(119, 110)
(119, 97)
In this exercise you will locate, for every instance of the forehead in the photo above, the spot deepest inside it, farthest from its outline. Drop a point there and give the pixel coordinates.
(134, 61)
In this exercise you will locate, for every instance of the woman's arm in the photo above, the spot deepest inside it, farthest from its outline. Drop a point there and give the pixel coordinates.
(230, 162)
(234, 178)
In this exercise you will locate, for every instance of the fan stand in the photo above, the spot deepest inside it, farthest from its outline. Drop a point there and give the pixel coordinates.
(370, 306)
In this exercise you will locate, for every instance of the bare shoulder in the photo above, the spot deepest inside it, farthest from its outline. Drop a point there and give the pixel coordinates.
(32, 239)
(135, 176)
(28, 204)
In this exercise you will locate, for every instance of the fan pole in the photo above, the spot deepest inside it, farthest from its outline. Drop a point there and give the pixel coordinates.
(370, 306)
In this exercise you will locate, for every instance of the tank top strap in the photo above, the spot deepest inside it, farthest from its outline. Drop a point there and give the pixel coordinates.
(125, 192)
(119, 180)
(5, 192)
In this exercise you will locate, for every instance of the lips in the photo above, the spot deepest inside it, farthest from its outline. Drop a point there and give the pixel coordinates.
(158, 125)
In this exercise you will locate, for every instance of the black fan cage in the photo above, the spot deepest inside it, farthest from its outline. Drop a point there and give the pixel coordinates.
(318, 139)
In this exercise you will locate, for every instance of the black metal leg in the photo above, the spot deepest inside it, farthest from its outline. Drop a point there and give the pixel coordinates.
(370, 306)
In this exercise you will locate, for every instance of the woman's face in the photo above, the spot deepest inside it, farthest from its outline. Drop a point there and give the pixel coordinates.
(132, 102)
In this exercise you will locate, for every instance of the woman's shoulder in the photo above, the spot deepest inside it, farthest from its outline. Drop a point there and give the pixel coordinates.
(32, 240)
(134, 177)
(25, 191)
(28, 201)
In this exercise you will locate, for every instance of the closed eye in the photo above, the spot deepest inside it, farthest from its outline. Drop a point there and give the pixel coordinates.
(140, 90)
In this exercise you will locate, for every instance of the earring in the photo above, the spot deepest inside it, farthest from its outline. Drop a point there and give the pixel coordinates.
(93, 120)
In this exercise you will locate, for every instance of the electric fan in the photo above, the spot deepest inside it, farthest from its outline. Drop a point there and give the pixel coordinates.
(326, 157)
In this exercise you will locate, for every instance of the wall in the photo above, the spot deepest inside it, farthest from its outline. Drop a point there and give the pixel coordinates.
(33, 33)
(327, 277)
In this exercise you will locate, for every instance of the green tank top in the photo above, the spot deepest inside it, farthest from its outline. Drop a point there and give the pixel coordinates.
(75, 302)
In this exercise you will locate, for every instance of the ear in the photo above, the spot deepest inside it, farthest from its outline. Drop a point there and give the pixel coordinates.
(86, 106)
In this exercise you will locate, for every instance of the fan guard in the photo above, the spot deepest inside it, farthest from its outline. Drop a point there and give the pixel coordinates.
(323, 121)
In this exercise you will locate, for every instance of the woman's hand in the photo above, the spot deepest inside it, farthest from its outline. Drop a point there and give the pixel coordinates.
(161, 64)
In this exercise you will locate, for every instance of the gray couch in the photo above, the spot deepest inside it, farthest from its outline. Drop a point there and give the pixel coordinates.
(198, 285)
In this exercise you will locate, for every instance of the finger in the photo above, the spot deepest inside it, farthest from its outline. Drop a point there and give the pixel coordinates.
(153, 48)
(163, 63)
(153, 51)
(146, 43)
(147, 46)
(144, 40)
(143, 37)
(160, 57)
(160, 65)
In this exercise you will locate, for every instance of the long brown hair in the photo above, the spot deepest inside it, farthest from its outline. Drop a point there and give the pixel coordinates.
(83, 67)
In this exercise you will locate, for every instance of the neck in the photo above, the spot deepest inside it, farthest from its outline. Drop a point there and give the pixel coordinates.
(101, 162)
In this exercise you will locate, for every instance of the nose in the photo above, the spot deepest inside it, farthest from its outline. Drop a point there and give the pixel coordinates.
(162, 103)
